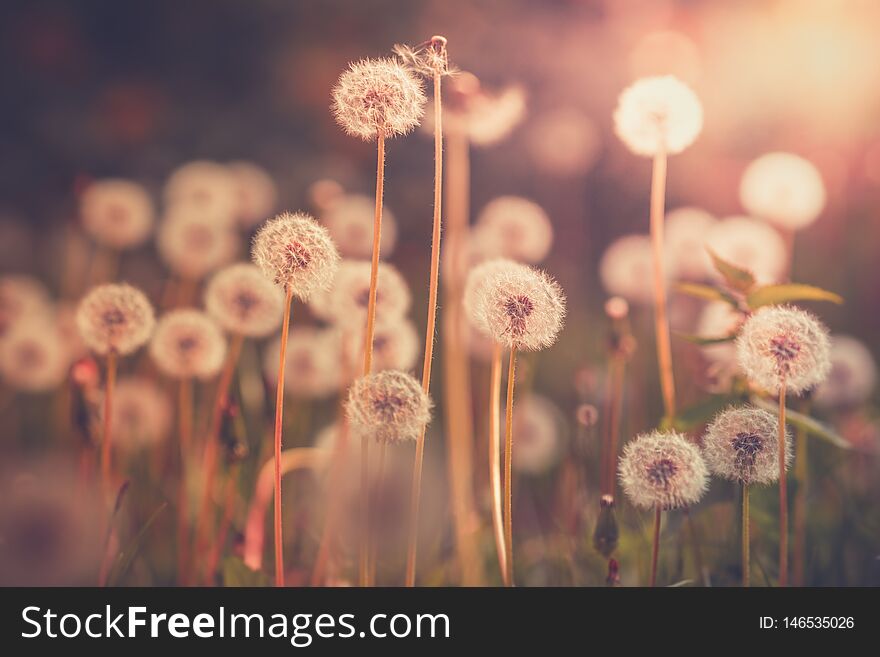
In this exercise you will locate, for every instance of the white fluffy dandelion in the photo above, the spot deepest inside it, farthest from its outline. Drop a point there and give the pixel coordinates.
(193, 244)
(516, 228)
(33, 357)
(117, 213)
(626, 269)
(685, 235)
(347, 301)
(21, 297)
(784, 346)
(784, 189)
(658, 115)
(243, 301)
(536, 425)
(388, 406)
(311, 363)
(742, 444)
(485, 117)
(852, 377)
(206, 188)
(115, 318)
(350, 222)
(188, 343)
(662, 470)
(256, 193)
(751, 245)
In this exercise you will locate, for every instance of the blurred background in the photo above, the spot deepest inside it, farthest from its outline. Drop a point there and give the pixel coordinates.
(134, 90)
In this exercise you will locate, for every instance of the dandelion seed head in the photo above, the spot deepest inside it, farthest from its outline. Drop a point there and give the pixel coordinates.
(115, 317)
(428, 59)
(256, 193)
(188, 343)
(662, 469)
(117, 213)
(348, 299)
(484, 117)
(324, 193)
(684, 240)
(389, 406)
(852, 377)
(396, 345)
(32, 356)
(350, 222)
(142, 414)
(750, 244)
(515, 228)
(297, 253)
(742, 444)
(516, 305)
(658, 114)
(536, 434)
(626, 269)
(779, 343)
(564, 142)
(206, 188)
(193, 244)
(311, 363)
(378, 96)
(784, 189)
(244, 301)
(21, 297)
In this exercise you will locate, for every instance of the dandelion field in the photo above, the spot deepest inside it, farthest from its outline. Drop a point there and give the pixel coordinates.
(308, 295)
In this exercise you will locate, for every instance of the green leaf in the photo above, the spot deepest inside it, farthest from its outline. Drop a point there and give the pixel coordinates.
(804, 423)
(707, 292)
(701, 412)
(774, 294)
(703, 342)
(737, 278)
(126, 557)
(237, 574)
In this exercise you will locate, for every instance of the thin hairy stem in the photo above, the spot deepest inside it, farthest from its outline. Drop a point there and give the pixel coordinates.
(107, 433)
(617, 371)
(661, 321)
(508, 470)
(495, 457)
(185, 424)
(783, 493)
(655, 546)
(746, 560)
(279, 416)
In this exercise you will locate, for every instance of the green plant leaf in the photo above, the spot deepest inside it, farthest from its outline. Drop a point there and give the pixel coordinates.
(237, 574)
(126, 556)
(703, 342)
(701, 412)
(707, 292)
(737, 278)
(805, 423)
(769, 295)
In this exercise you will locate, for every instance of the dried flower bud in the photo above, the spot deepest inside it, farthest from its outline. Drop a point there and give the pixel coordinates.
(378, 96)
(784, 189)
(256, 193)
(742, 444)
(514, 304)
(750, 244)
(33, 357)
(607, 533)
(515, 228)
(852, 378)
(658, 115)
(350, 222)
(193, 244)
(389, 406)
(662, 469)
(244, 301)
(115, 317)
(117, 213)
(784, 344)
(188, 343)
(626, 269)
(295, 252)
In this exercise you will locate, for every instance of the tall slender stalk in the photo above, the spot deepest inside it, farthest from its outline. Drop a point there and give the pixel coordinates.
(655, 548)
(616, 373)
(661, 321)
(185, 424)
(800, 508)
(279, 416)
(368, 355)
(508, 470)
(107, 433)
(433, 283)
(495, 457)
(203, 524)
(746, 560)
(783, 493)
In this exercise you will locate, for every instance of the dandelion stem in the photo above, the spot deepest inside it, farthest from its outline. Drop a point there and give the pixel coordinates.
(429, 330)
(746, 561)
(107, 434)
(185, 424)
(655, 549)
(495, 457)
(617, 371)
(661, 321)
(279, 413)
(783, 493)
(213, 439)
(508, 470)
(800, 508)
